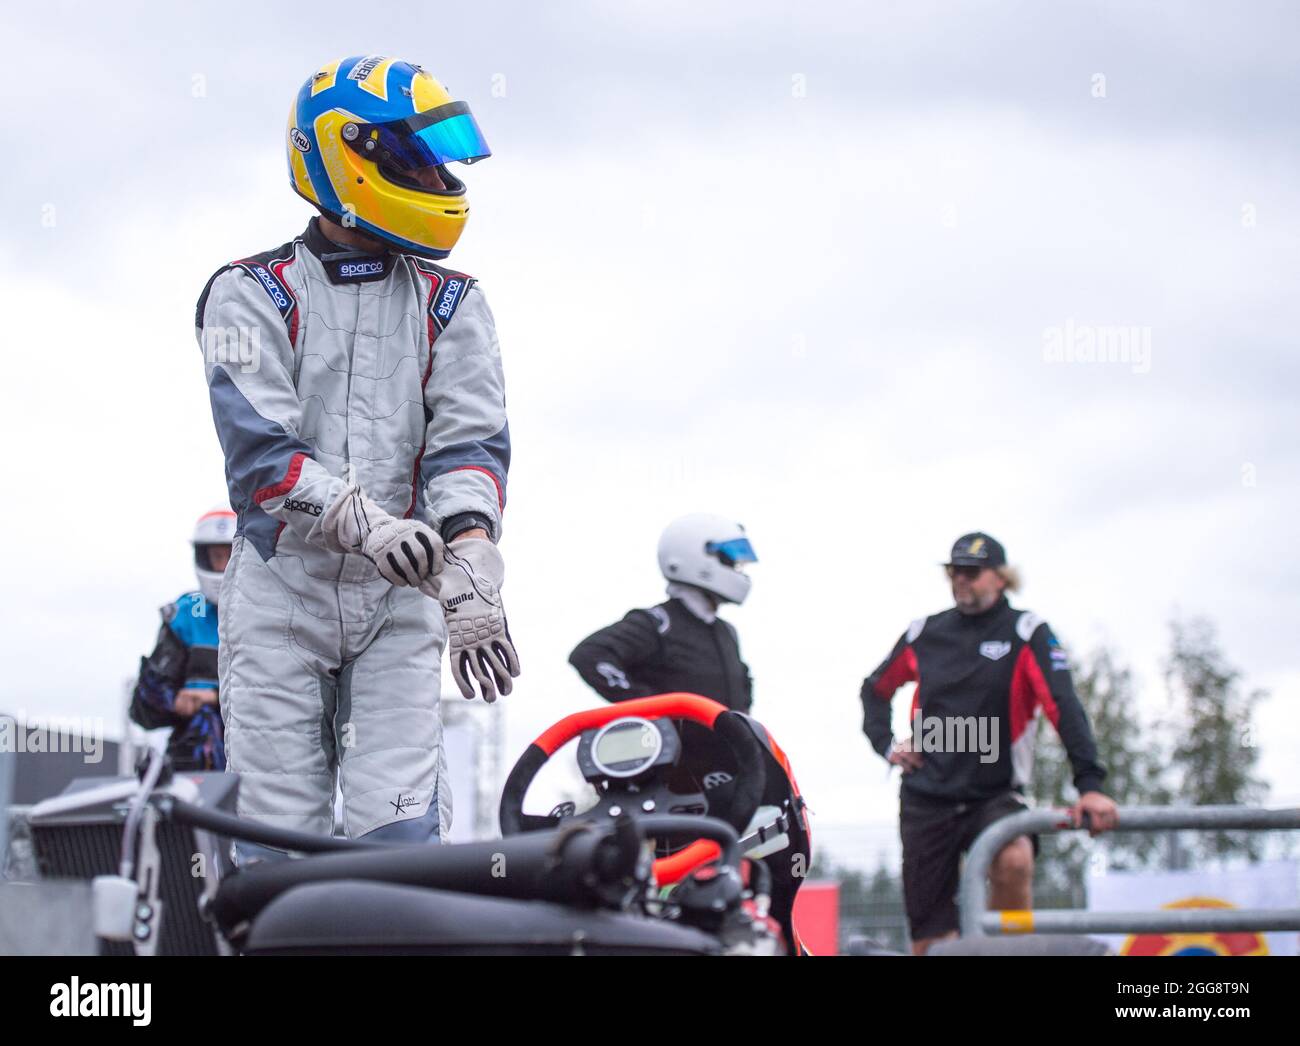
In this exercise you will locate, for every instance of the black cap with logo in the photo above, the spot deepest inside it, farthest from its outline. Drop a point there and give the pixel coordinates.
(977, 550)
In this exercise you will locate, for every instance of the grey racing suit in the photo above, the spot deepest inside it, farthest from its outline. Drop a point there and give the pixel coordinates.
(325, 365)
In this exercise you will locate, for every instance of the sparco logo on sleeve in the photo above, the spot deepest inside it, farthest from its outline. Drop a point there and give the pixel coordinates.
(102, 1000)
(294, 505)
(450, 296)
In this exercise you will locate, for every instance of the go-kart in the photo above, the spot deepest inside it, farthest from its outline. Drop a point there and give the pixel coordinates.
(649, 869)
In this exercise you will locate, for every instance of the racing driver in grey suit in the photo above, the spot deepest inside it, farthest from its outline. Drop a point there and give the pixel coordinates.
(357, 392)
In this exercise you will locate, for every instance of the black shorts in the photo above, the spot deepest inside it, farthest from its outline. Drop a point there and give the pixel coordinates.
(936, 834)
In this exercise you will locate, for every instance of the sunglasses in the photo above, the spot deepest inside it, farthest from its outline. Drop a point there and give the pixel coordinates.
(970, 573)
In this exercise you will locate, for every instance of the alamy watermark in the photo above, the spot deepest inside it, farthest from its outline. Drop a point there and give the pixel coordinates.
(94, 999)
(966, 733)
(59, 734)
(1087, 343)
(242, 345)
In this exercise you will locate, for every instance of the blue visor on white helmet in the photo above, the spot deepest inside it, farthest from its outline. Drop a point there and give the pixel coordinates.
(732, 553)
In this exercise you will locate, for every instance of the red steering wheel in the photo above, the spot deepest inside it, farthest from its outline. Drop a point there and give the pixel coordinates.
(729, 726)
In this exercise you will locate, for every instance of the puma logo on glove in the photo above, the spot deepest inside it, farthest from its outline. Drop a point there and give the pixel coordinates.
(478, 637)
(405, 551)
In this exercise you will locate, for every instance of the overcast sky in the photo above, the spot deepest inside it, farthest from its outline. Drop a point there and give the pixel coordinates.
(801, 265)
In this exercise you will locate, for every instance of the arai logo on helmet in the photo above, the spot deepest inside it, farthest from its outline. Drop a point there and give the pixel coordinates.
(300, 141)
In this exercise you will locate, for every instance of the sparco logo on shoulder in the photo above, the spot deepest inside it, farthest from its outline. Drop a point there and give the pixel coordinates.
(447, 303)
(300, 141)
(272, 287)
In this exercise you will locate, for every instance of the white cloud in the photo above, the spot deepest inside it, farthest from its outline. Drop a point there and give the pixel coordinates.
(824, 316)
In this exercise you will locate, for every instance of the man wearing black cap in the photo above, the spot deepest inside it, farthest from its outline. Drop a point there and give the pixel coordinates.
(983, 671)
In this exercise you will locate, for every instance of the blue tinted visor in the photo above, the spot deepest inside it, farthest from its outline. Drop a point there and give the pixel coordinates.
(732, 553)
(443, 135)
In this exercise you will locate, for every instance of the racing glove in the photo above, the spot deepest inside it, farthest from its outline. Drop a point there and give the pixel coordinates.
(479, 643)
(406, 551)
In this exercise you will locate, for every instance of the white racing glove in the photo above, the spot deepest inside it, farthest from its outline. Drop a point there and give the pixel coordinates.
(406, 551)
(479, 643)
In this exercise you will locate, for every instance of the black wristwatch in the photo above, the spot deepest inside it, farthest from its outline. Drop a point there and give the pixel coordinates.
(464, 521)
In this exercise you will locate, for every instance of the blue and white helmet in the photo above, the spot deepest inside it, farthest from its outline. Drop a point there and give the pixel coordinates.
(708, 552)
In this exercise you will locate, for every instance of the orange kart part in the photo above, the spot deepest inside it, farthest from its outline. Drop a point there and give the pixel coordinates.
(676, 867)
(679, 705)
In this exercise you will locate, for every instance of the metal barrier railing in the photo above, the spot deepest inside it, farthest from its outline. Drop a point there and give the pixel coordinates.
(978, 921)
(7, 766)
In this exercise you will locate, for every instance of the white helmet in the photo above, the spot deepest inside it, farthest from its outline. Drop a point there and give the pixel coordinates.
(213, 528)
(707, 552)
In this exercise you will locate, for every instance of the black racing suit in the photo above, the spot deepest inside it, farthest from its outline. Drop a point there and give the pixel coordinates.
(981, 680)
(663, 650)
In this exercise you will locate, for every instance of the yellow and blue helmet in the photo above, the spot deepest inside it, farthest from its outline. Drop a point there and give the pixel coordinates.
(356, 130)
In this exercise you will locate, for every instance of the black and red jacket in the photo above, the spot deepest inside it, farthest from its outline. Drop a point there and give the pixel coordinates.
(1002, 666)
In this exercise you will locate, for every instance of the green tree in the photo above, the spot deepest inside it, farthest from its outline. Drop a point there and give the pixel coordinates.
(1134, 777)
(1213, 755)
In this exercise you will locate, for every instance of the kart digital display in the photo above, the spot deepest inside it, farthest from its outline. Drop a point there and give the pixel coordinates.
(632, 741)
(627, 747)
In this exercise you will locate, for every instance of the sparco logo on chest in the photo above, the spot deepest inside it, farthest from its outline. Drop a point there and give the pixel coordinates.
(365, 268)
(996, 649)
